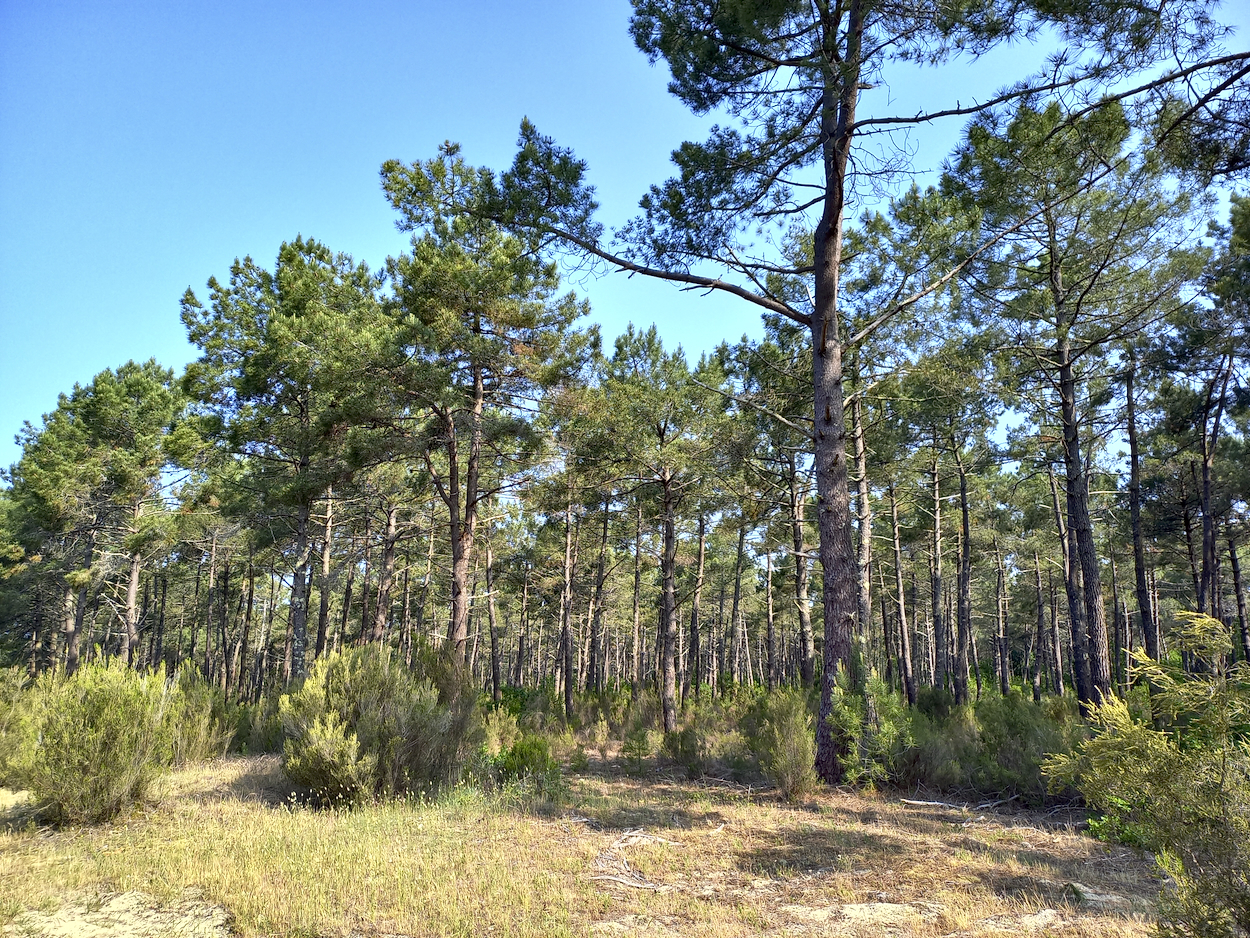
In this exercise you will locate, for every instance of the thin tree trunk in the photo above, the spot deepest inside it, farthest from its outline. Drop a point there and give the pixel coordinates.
(1002, 652)
(807, 644)
(566, 606)
(636, 689)
(1039, 652)
(386, 578)
(668, 606)
(772, 632)
(695, 602)
(735, 622)
(323, 612)
(1150, 628)
(596, 665)
(964, 608)
(130, 630)
(1240, 595)
(909, 679)
(941, 649)
(1072, 582)
(496, 690)
(1056, 641)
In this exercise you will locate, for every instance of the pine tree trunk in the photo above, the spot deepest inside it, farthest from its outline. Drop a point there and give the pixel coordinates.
(636, 688)
(1150, 629)
(807, 642)
(566, 607)
(386, 578)
(963, 638)
(323, 611)
(692, 648)
(909, 679)
(668, 606)
(941, 650)
(1240, 595)
(735, 622)
(1076, 604)
(496, 689)
(1039, 653)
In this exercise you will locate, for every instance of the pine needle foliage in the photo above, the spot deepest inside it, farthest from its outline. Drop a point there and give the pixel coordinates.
(1180, 789)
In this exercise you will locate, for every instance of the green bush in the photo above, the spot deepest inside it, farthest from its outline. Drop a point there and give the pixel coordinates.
(638, 746)
(1182, 791)
(530, 755)
(995, 747)
(1015, 737)
(530, 764)
(17, 728)
(500, 732)
(363, 725)
(104, 736)
(873, 735)
(688, 747)
(788, 752)
(327, 758)
(600, 737)
(258, 726)
(202, 722)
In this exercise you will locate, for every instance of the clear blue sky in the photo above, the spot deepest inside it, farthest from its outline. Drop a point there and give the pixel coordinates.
(145, 145)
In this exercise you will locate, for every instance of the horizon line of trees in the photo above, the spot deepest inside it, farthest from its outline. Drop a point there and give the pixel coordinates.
(453, 464)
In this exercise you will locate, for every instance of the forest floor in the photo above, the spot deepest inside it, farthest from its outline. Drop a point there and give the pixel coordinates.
(227, 852)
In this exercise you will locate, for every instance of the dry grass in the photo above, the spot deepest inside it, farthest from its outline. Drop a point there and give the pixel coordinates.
(708, 860)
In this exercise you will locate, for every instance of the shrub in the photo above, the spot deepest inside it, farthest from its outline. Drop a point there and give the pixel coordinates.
(600, 737)
(500, 732)
(1014, 739)
(688, 747)
(103, 738)
(258, 726)
(529, 764)
(1182, 791)
(788, 752)
(874, 734)
(530, 755)
(17, 728)
(363, 725)
(328, 760)
(202, 722)
(638, 746)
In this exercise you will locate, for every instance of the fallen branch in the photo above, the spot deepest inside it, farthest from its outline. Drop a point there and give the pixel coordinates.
(995, 804)
(621, 880)
(934, 804)
(640, 836)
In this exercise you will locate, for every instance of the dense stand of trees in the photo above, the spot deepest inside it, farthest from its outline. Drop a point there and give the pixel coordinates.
(1001, 425)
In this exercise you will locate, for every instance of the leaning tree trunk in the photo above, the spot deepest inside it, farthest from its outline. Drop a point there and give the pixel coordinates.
(1150, 629)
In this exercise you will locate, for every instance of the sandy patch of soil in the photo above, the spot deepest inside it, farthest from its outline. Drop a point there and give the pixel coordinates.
(129, 915)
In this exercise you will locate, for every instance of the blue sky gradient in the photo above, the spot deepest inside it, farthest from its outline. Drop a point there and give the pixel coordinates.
(144, 145)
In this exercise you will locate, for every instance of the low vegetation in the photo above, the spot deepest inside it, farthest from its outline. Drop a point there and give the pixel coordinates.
(89, 747)
(653, 855)
(396, 798)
